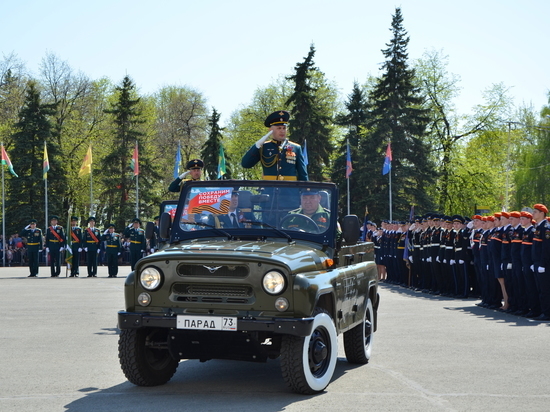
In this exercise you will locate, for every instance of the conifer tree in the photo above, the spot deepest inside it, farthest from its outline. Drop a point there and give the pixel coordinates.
(211, 149)
(397, 117)
(309, 121)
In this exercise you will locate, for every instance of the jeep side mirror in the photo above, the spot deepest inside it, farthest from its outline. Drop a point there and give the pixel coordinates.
(149, 230)
(165, 224)
(350, 229)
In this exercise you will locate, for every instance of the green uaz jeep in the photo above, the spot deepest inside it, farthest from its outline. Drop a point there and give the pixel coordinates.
(252, 270)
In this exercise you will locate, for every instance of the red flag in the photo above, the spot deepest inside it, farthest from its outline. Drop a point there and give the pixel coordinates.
(387, 161)
(135, 163)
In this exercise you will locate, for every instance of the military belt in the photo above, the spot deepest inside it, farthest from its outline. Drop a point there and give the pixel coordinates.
(134, 241)
(112, 245)
(55, 241)
(33, 244)
(264, 177)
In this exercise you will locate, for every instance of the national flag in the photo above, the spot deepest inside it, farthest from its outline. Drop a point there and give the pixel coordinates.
(177, 163)
(304, 153)
(406, 252)
(221, 163)
(387, 161)
(46, 163)
(6, 161)
(349, 169)
(86, 167)
(134, 163)
(68, 255)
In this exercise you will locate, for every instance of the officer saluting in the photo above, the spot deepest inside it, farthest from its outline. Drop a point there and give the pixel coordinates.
(281, 159)
(194, 168)
(34, 245)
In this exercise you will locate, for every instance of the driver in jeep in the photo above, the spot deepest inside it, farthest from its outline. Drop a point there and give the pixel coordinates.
(310, 206)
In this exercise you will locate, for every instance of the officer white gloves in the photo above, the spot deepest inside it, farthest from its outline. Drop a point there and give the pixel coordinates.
(260, 142)
(184, 174)
(437, 259)
(532, 267)
(80, 249)
(444, 260)
(152, 250)
(460, 262)
(509, 266)
(411, 259)
(61, 249)
(470, 225)
(119, 253)
(452, 262)
(429, 259)
(47, 250)
(541, 269)
(98, 251)
(85, 249)
(106, 231)
(28, 227)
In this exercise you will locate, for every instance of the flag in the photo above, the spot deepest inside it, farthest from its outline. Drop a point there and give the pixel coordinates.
(6, 161)
(134, 164)
(221, 163)
(177, 162)
(406, 252)
(46, 163)
(304, 153)
(349, 169)
(364, 234)
(86, 167)
(387, 161)
(68, 255)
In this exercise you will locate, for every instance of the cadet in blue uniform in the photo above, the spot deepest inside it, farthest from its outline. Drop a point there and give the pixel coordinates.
(34, 245)
(194, 169)
(114, 248)
(76, 245)
(541, 259)
(281, 159)
(136, 236)
(91, 240)
(55, 242)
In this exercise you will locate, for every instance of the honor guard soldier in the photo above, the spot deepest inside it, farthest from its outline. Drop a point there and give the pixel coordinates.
(114, 248)
(531, 288)
(91, 239)
(194, 169)
(281, 159)
(34, 246)
(541, 258)
(136, 236)
(55, 242)
(76, 245)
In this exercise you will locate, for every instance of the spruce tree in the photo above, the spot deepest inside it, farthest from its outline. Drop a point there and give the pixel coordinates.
(25, 194)
(211, 149)
(309, 121)
(397, 117)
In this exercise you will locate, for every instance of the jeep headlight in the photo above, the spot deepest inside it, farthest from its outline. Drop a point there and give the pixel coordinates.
(150, 278)
(274, 282)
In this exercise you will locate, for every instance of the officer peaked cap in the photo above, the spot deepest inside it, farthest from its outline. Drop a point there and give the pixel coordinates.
(275, 118)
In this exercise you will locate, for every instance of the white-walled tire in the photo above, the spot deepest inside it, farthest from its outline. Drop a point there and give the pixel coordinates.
(358, 341)
(308, 363)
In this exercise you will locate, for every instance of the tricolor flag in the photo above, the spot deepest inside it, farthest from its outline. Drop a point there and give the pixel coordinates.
(387, 161)
(134, 164)
(221, 163)
(6, 161)
(46, 163)
(177, 163)
(304, 153)
(86, 167)
(349, 169)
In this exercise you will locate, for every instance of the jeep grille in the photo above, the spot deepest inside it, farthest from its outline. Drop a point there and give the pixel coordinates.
(212, 270)
(213, 293)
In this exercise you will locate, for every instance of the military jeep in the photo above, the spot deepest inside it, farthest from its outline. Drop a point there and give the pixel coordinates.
(281, 278)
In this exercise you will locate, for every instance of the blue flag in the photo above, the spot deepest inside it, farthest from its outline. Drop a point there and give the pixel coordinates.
(349, 169)
(387, 161)
(304, 153)
(177, 163)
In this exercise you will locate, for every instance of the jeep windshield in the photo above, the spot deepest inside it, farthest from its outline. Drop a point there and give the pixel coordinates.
(237, 209)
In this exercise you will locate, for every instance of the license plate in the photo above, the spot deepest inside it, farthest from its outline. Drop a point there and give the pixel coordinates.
(206, 323)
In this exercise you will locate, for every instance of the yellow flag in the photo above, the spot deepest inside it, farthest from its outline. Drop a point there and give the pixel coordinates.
(87, 164)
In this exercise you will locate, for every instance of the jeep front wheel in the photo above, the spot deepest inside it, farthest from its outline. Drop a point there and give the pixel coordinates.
(308, 363)
(358, 341)
(142, 359)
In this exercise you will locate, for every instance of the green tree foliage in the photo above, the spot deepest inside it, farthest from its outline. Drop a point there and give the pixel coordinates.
(13, 81)
(309, 119)
(211, 149)
(25, 198)
(397, 117)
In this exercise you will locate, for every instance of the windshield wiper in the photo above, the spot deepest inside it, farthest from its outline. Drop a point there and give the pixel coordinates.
(229, 237)
(263, 224)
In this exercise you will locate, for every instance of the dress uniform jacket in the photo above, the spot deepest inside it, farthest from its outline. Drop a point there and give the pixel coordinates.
(280, 160)
(55, 240)
(113, 246)
(76, 239)
(138, 244)
(34, 245)
(91, 240)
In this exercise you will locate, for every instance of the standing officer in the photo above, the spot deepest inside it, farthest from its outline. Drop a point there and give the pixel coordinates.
(281, 159)
(136, 236)
(114, 248)
(194, 169)
(91, 241)
(541, 259)
(55, 241)
(34, 245)
(76, 245)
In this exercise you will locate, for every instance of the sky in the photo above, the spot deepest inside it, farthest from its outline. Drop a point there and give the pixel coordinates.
(228, 49)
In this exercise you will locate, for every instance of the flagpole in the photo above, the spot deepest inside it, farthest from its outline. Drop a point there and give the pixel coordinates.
(3, 218)
(347, 143)
(389, 186)
(91, 194)
(136, 168)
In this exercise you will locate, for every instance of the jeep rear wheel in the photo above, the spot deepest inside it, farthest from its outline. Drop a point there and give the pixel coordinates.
(358, 341)
(308, 363)
(142, 361)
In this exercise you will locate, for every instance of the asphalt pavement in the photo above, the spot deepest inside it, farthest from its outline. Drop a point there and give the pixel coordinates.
(58, 341)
